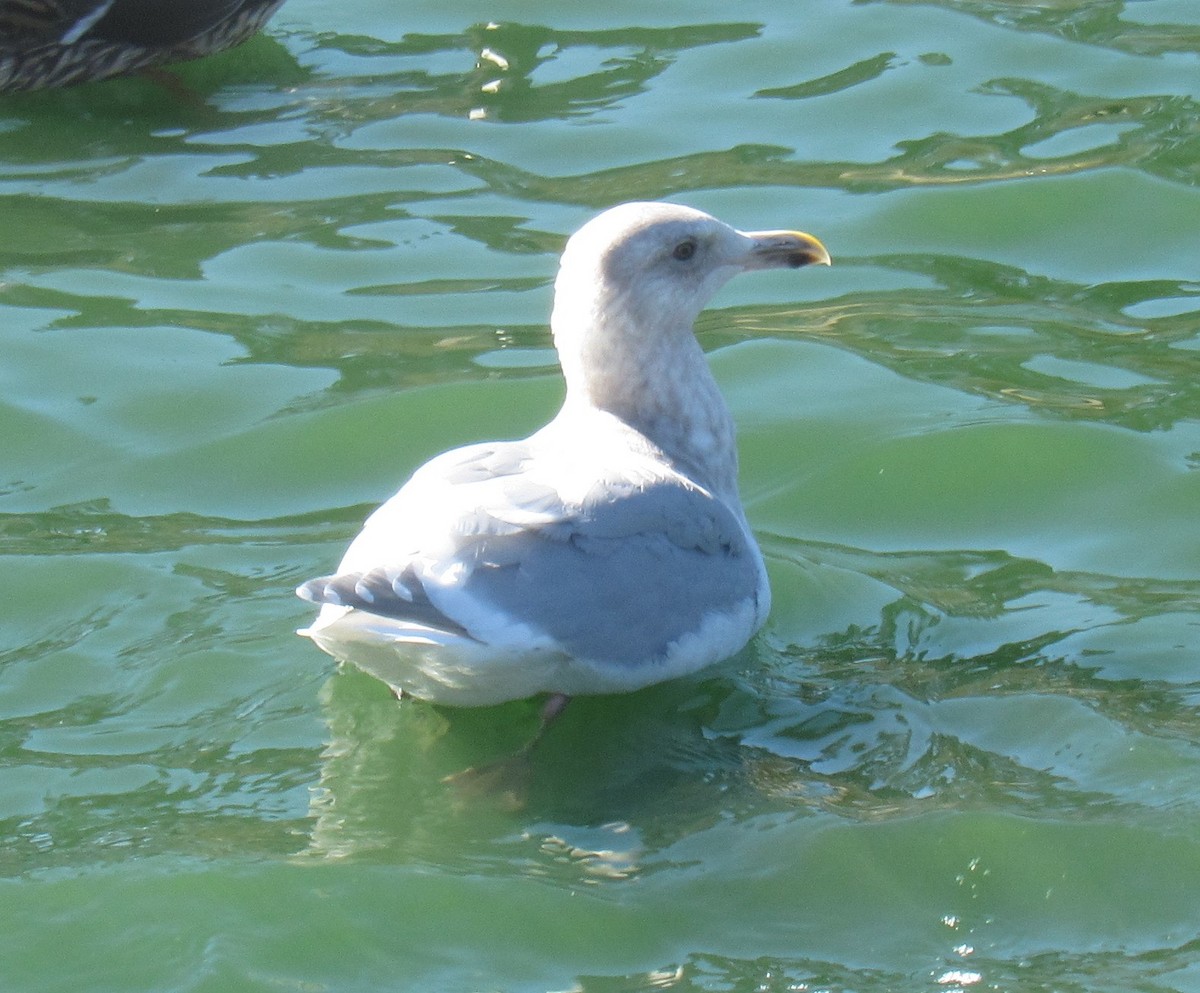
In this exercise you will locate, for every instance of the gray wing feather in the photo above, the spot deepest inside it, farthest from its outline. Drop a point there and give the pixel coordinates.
(624, 581)
(617, 580)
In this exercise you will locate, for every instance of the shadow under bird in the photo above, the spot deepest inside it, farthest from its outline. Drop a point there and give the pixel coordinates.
(55, 43)
(608, 550)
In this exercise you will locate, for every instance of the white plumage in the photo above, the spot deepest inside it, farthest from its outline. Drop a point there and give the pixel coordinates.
(605, 552)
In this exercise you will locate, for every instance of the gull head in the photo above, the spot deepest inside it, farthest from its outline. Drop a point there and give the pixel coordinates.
(631, 284)
(642, 267)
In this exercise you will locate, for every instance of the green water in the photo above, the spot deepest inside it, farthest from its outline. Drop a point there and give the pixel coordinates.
(964, 754)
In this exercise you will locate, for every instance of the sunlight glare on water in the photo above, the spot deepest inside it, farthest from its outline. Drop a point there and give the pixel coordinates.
(963, 754)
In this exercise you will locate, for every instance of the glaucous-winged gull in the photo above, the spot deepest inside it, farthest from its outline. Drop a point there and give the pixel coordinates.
(608, 550)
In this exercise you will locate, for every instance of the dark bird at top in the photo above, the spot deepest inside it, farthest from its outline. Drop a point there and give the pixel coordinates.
(54, 43)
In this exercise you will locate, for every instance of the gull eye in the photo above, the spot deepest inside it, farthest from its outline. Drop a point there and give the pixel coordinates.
(684, 250)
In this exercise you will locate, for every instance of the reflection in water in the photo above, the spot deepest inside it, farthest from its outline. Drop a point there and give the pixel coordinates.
(875, 708)
(317, 127)
(863, 724)
(343, 218)
(977, 329)
(982, 324)
(526, 72)
(965, 968)
(855, 75)
(1095, 23)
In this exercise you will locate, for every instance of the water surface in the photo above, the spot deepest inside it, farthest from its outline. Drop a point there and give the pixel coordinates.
(965, 751)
